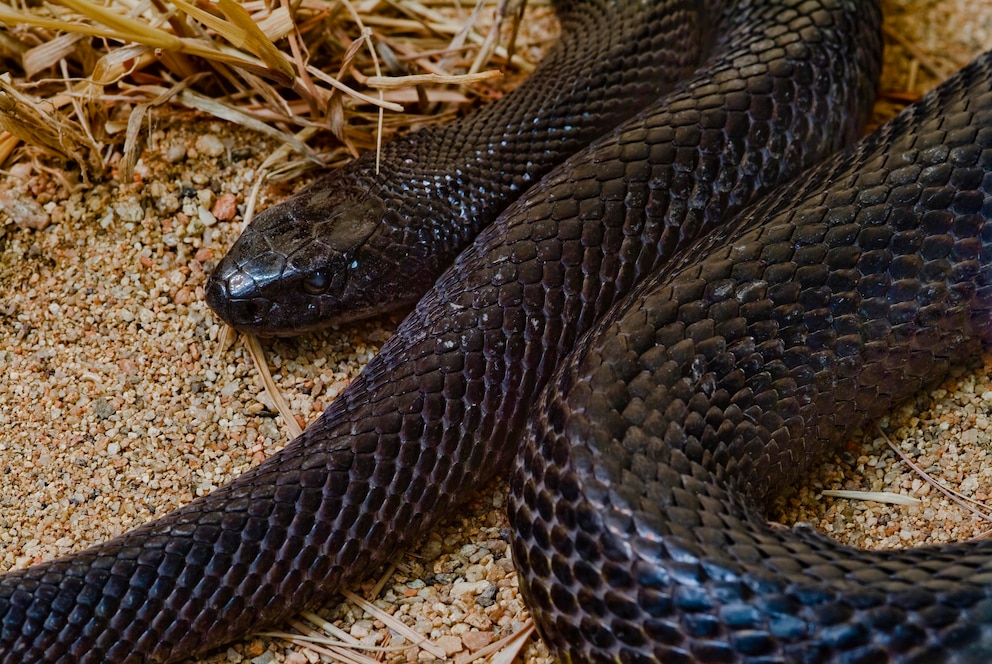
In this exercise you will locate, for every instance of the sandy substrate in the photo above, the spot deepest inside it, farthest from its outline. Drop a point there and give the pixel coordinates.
(119, 401)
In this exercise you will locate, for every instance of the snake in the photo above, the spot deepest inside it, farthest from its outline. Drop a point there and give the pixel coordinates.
(637, 502)
(686, 357)
(373, 236)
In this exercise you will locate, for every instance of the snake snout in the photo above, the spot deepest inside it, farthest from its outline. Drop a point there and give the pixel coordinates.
(236, 291)
(251, 315)
(231, 293)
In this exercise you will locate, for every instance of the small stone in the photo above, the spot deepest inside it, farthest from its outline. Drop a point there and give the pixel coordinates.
(130, 210)
(205, 254)
(475, 573)
(206, 216)
(205, 197)
(21, 170)
(477, 640)
(432, 548)
(183, 296)
(225, 207)
(255, 648)
(488, 596)
(195, 227)
(209, 145)
(23, 211)
(361, 629)
(176, 153)
(102, 409)
(449, 643)
(970, 437)
(468, 588)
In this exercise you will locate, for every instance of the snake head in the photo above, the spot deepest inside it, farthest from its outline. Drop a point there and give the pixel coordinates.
(316, 259)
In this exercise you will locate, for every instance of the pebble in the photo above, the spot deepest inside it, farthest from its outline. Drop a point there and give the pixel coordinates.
(468, 588)
(296, 658)
(176, 153)
(210, 145)
(450, 644)
(225, 207)
(477, 640)
(24, 211)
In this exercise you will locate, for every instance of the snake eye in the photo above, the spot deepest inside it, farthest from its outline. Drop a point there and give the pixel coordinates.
(317, 282)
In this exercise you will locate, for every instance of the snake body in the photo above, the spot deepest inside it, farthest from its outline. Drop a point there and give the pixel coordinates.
(723, 377)
(443, 406)
(374, 235)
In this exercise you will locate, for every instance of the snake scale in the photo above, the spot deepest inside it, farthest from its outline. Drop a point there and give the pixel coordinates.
(698, 394)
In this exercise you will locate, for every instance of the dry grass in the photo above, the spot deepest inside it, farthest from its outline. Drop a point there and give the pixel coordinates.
(82, 76)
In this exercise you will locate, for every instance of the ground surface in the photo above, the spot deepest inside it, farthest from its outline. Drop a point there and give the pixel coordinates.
(118, 401)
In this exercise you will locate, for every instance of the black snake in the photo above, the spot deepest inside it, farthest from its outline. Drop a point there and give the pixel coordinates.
(711, 385)
(374, 235)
